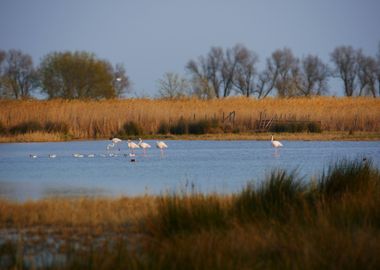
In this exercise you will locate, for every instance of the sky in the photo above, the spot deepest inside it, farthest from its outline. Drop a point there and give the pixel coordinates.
(152, 37)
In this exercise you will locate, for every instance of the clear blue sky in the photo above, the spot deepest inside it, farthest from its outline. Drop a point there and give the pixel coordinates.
(154, 37)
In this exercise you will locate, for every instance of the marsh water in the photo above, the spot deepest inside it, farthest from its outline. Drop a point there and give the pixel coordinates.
(27, 171)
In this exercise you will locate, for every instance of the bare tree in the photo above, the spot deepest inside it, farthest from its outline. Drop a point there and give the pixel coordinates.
(244, 72)
(215, 62)
(345, 60)
(18, 76)
(283, 70)
(203, 86)
(231, 63)
(215, 69)
(367, 74)
(313, 76)
(173, 86)
(266, 82)
(2, 67)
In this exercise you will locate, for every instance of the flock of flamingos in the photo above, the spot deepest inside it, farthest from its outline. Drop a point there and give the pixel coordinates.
(133, 146)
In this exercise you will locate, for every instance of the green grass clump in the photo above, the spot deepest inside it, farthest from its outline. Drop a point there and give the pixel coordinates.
(348, 176)
(274, 198)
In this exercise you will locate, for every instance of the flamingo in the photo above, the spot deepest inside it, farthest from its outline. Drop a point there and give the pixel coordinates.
(143, 145)
(115, 141)
(161, 145)
(111, 145)
(132, 146)
(276, 144)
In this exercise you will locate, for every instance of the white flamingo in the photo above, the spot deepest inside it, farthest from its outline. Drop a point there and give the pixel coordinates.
(276, 144)
(111, 145)
(161, 145)
(115, 141)
(143, 145)
(132, 146)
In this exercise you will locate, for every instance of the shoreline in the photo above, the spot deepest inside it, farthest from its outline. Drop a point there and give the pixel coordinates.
(323, 136)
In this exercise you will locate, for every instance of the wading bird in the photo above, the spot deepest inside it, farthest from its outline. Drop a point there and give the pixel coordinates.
(111, 145)
(161, 145)
(276, 144)
(115, 142)
(143, 145)
(132, 146)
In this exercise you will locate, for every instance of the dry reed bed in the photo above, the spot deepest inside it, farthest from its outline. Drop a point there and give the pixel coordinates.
(91, 119)
(75, 212)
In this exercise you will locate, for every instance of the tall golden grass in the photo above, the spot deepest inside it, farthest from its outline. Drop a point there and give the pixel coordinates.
(75, 212)
(101, 119)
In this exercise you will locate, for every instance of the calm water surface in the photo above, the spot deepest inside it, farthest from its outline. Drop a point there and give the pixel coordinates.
(211, 166)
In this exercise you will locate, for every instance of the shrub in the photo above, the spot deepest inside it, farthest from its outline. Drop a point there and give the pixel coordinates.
(294, 127)
(59, 127)
(181, 127)
(25, 127)
(273, 199)
(203, 126)
(132, 128)
(314, 127)
(348, 176)
(163, 128)
(3, 130)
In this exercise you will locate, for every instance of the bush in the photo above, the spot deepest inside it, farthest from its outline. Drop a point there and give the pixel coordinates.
(314, 127)
(294, 127)
(132, 128)
(348, 177)
(25, 127)
(59, 127)
(278, 194)
(181, 127)
(3, 130)
(163, 128)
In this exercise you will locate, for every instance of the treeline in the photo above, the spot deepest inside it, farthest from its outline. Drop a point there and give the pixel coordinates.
(222, 73)
(218, 74)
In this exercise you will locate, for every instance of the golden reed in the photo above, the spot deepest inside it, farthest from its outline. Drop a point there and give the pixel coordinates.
(92, 119)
